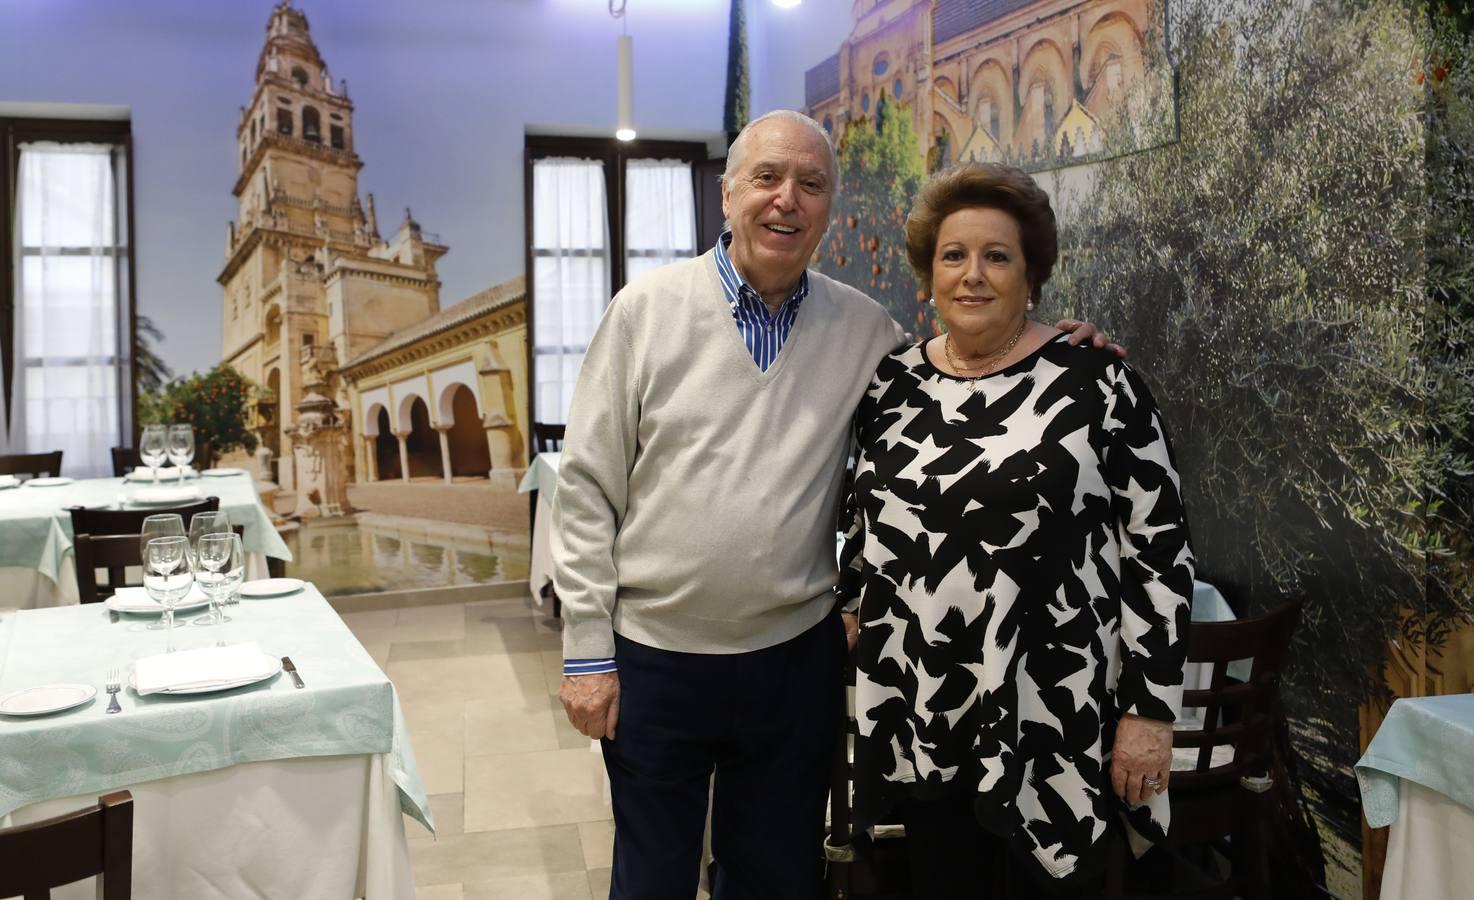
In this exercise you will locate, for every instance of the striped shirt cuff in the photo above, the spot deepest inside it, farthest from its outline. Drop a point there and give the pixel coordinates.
(588, 666)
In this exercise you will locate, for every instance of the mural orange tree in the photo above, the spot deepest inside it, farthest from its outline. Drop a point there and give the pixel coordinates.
(880, 172)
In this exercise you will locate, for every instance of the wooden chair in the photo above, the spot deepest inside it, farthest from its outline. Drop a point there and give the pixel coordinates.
(36, 465)
(97, 840)
(1222, 768)
(130, 521)
(114, 552)
(859, 867)
(546, 438)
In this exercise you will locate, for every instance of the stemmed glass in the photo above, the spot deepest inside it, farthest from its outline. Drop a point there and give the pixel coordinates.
(220, 569)
(163, 525)
(153, 448)
(167, 577)
(181, 447)
(204, 523)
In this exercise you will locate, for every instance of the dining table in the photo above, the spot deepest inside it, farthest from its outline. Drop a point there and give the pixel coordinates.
(542, 477)
(36, 530)
(263, 789)
(1417, 777)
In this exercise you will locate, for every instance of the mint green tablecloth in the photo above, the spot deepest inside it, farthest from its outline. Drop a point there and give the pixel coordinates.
(542, 474)
(1427, 740)
(36, 531)
(347, 707)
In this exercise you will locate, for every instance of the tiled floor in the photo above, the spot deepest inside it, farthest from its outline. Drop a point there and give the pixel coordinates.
(517, 794)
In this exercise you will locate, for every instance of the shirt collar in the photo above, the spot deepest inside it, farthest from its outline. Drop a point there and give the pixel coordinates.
(735, 287)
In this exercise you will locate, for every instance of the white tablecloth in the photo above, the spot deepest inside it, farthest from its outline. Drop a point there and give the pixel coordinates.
(327, 827)
(542, 476)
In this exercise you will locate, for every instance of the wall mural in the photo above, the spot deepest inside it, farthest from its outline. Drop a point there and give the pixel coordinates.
(376, 399)
(1277, 269)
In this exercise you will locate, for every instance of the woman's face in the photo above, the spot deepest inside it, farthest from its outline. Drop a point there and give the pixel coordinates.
(978, 275)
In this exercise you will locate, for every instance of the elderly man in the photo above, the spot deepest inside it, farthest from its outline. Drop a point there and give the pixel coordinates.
(693, 534)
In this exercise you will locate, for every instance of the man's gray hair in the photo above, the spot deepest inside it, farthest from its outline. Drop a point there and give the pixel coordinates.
(739, 146)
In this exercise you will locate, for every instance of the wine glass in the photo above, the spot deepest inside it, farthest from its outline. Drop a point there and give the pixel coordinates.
(167, 577)
(201, 524)
(158, 526)
(153, 448)
(181, 447)
(220, 570)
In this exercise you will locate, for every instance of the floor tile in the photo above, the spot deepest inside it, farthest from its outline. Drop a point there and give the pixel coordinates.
(448, 812)
(495, 855)
(522, 790)
(597, 839)
(565, 886)
(599, 884)
(440, 892)
(514, 678)
(521, 635)
(446, 622)
(493, 728)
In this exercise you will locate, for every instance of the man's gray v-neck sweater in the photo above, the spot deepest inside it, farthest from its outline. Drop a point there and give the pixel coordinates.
(697, 495)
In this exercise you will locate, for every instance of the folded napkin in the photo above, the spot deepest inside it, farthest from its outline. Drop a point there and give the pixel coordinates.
(200, 668)
(9, 481)
(136, 599)
(165, 473)
(166, 494)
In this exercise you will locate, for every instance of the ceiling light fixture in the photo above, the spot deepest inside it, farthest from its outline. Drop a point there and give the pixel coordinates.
(625, 124)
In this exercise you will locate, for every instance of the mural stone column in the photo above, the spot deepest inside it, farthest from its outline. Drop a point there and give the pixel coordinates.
(403, 455)
(444, 432)
(370, 458)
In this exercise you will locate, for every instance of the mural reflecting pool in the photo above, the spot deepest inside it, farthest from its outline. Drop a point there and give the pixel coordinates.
(371, 553)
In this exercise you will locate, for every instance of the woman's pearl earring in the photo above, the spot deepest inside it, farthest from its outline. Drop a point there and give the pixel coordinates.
(932, 301)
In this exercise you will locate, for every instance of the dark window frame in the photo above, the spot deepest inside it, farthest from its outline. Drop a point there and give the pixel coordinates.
(15, 131)
(614, 155)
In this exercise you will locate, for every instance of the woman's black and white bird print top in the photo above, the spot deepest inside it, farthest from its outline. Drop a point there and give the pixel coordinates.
(1020, 555)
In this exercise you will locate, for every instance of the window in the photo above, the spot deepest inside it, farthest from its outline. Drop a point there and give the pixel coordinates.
(865, 102)
(299, 77)
(882, 64)
(311, 124)
(284, 122)
(336, 133)
(599, 212)
(829, 124)
(899, 86)
(67, 327)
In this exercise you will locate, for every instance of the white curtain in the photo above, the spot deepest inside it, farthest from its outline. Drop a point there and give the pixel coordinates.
(660, 214)
(71, 371)
(570, 257)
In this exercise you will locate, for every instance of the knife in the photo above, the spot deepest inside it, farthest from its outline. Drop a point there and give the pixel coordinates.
(286, 663)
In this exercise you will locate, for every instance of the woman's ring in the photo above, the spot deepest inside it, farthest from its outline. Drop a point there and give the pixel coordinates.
(1152, 782)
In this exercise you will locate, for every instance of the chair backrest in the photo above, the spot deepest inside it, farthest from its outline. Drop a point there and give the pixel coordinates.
(1235, 716)
(546, 437)
(36, 465)
(130, 521)
(113, 552)
(97, 840)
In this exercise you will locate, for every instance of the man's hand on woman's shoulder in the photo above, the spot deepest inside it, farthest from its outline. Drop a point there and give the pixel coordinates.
(1079, 332)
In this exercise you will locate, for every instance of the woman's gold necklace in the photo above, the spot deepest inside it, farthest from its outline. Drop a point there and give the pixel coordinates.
(988, 361)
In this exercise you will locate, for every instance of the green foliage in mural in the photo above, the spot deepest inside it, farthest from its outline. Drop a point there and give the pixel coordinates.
(218, 404)
(880, 172)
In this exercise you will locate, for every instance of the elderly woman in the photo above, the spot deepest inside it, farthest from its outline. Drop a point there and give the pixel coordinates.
(1021, 565)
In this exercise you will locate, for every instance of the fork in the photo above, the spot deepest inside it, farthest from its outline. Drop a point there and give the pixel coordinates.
(114, 684)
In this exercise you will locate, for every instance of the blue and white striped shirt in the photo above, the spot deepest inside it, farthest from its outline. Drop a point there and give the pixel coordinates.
(764, 334)
(762, 330)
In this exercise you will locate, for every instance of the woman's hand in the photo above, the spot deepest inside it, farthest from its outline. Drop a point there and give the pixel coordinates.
(851, 628)
(1143, 754)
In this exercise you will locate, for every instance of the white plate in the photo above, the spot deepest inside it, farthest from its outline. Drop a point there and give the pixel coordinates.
(134, 608)
(164, 496)
(9, 481)
(272, 587)
(270, 666)
(222, 473)
(49, 482)
(48, 698)
(165, 475)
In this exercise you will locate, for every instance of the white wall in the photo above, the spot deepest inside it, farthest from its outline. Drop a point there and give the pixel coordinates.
(443, 91)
